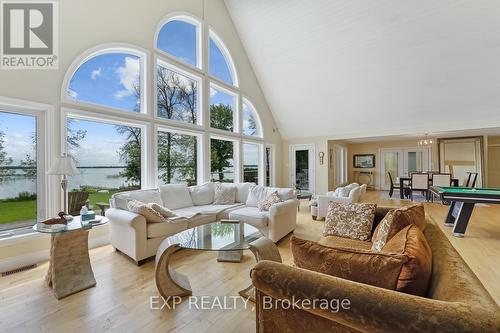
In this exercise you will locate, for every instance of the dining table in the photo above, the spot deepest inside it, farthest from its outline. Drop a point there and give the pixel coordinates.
(407, 179)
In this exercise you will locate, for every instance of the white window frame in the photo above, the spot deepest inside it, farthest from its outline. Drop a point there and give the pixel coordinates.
(237, 160)
(187, 18)
(103, 49)
(254, 111)
(46, 187)
(227, 57)
(236, 111)
(112, 120)
(196, 77)
(199, 154)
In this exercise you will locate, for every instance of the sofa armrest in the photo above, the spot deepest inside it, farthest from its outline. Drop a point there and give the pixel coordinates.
(324, 201)
(124, 217)
(283, 207)
(371, 309)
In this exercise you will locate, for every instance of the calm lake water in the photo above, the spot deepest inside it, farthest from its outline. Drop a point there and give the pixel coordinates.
(101, 177)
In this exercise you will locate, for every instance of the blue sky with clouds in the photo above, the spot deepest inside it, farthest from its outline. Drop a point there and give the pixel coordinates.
(19, 131)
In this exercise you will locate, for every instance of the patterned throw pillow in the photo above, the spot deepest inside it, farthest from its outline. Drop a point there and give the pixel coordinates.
(352, 220)
(224, 194)
(164, 211)
(381, 234)
(265, 204)
(149, 213)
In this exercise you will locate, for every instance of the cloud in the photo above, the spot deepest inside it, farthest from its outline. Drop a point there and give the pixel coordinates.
(213, 92)
(73, 94)
(129, 77)
(95, 73)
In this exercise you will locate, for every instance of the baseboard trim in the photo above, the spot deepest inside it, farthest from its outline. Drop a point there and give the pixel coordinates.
(11, 263)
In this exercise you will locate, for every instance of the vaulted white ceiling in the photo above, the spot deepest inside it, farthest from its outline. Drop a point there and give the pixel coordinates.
(356, 68)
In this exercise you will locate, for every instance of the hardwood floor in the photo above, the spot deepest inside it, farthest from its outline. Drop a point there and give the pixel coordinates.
(121, 299)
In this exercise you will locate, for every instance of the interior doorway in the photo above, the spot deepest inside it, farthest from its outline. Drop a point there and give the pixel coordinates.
(402, 162)
(302, 163)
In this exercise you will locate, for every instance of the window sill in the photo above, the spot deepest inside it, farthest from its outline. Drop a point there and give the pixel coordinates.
(17, 236)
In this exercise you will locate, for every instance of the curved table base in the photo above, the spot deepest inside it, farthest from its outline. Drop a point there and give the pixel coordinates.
(168, 281)
(69, 266)
(263, 249)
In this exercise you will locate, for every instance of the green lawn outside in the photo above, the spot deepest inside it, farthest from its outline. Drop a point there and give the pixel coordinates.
(17, 211)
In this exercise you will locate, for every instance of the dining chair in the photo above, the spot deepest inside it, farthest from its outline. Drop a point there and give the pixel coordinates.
(393, 186)
(441, 179)
(471, 179)
(419, 182)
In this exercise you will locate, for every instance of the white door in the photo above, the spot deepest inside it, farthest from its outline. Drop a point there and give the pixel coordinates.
(302, 163)
(401, 162)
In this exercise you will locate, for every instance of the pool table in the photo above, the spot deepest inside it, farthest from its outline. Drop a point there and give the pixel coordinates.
(462, 201)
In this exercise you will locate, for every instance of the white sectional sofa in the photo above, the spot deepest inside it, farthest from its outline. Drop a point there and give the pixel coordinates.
(139, 239)
(347, 194)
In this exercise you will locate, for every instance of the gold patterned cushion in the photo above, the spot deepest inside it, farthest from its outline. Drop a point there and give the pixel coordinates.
(272, 199)
(224, 194)
(149, 213)
(413, 214)
(352, 220)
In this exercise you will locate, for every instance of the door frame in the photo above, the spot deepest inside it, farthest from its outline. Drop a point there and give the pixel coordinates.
(401, 166)
(312, 164)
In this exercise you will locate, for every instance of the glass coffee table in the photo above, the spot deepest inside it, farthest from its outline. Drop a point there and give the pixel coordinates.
(228, 237)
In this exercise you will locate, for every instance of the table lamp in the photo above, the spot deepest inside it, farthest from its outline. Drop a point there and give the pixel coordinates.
(65, 166)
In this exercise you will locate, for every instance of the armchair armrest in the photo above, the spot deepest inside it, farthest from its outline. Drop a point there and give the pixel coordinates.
(371, 309)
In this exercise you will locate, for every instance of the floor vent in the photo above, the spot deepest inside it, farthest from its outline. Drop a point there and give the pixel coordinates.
(20, 269)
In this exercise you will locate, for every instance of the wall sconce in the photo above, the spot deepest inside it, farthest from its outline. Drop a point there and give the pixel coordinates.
(321, 157)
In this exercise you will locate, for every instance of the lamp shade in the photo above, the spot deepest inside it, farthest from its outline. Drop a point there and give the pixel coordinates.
(64, 165)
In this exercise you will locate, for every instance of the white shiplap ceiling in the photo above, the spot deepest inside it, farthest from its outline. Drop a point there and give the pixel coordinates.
(356, 68)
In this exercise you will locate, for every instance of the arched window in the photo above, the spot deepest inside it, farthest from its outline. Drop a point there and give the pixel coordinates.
(179, 37)
(221, 64)
(109, 78)
(251, 121)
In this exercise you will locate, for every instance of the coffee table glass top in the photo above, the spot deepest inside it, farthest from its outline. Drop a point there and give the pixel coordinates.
(217, 236)
(72, 225)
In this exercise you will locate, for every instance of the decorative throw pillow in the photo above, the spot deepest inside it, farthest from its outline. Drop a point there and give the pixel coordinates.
(416, 272)
(149, 213)
(164, 211)
(352, 220)
(265, 204)
(256, 193)
(413, 214)
(381, 233)
(224, 194)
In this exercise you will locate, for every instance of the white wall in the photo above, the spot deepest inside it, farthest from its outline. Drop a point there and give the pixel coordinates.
(85, 24)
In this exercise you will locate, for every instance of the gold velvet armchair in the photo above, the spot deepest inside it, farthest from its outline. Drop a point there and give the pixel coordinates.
(456, 300)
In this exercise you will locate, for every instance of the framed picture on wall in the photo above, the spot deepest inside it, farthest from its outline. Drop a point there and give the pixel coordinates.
(364, 161)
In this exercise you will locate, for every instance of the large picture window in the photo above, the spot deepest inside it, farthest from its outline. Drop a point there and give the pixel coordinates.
(251, 123)
(222, 160)
(178, 38)
(110, 79)
(18, 170)
(222, 109)
(251, 156)
(108, 157)
(221, 64)
(177, 95)
(177, 158)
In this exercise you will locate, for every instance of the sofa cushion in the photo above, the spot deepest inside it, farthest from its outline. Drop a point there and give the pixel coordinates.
(257, 193)
(147, 196)
(413, 214)
(250, 215)
(225, 194)
(381, 233)
(167, 228)
(269, 201)
(201, 220)
(202, 194)
(342, 242)
(377, 269)
(165, 212)
(284, 193)
(175, 196)
(352, 220)
(242, 191)
(416, 271)
(143, 209)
